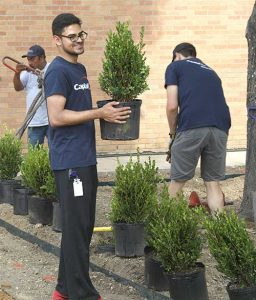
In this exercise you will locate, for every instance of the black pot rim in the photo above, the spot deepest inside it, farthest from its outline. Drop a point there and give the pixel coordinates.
(235, 288)
(8, 181)
(199, 266)
(128, 224)
(135, 103)
(110, 100)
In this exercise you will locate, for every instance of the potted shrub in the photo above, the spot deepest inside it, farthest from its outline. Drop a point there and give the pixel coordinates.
(133, 199)
(123, 78)
(37, 175)
(235, 253)
(177, 242)
(153, 270)
(10, 160)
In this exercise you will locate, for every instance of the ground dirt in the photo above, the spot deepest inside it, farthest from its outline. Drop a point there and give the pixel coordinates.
(28, 269)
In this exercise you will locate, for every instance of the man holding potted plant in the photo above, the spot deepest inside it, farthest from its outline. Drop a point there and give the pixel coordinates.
(199, 121)
(73, 154)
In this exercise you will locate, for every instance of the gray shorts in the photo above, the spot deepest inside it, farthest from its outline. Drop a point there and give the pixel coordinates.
(207, 143)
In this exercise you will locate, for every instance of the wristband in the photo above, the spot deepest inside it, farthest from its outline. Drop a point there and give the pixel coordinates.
(172, 135)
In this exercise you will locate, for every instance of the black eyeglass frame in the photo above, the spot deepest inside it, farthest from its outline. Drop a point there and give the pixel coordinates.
(74, 37)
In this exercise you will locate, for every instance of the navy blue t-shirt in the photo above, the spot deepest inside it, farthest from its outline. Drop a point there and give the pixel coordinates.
(70, 146)
(200, 95)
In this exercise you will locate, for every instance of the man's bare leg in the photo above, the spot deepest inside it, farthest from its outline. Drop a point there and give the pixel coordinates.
(175, 187)
(215, 198)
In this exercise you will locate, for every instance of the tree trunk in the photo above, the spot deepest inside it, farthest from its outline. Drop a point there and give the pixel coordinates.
(246, 209)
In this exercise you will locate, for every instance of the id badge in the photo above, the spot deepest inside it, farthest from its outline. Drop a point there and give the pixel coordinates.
(78, 187)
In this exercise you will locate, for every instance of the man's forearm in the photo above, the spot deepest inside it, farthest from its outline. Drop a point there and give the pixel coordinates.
(18, 86)
(172, 120)
(172, 107)
(69, 117)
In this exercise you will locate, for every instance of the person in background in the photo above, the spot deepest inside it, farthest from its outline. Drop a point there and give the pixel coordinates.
(73, 154)
(26, 80)
(199, 122)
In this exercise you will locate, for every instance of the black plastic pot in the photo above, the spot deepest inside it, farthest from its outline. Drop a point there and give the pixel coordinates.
(189, 286)
(128, 131)
(6, 190)
(40, 210)
(154, 272)
(56, 218)
(129, 239)
(20, 201)
(247, 293)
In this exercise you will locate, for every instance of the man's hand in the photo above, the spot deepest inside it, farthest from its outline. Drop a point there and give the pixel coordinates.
(168, 157)
(113, 114)
(18, 86)
(20, 68)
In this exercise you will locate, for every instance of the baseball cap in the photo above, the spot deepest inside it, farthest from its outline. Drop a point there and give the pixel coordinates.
(182, 46)
(33, 51)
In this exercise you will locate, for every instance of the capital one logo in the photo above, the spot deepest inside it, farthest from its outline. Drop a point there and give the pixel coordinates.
(84, 86)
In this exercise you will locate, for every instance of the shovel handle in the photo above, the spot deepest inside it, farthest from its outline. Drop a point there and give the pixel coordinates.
(18, 62)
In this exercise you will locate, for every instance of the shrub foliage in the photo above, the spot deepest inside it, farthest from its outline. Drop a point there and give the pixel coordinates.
(10, 155)
(232, 247)
(37, 174)
(125, 71)
(134, 192)
(173, 232)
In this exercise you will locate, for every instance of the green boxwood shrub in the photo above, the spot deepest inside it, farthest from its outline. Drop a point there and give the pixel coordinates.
(173, 233)
(36, 172)
(152, 219)
(124, 74)
(10, 155)
(231, 246)
(134, 193)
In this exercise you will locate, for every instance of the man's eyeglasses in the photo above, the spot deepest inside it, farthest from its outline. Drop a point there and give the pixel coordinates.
(74, 37)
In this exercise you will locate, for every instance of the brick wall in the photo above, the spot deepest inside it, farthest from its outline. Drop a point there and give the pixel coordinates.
(217, 28)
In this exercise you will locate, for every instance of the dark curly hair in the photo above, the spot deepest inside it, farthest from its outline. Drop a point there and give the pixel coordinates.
(63, 20)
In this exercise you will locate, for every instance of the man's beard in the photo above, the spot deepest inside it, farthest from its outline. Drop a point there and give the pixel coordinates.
(72, 53)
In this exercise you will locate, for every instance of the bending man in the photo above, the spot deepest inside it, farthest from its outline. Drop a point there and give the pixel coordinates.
(199, 121)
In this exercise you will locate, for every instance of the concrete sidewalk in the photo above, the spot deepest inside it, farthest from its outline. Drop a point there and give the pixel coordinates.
(108, 164)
